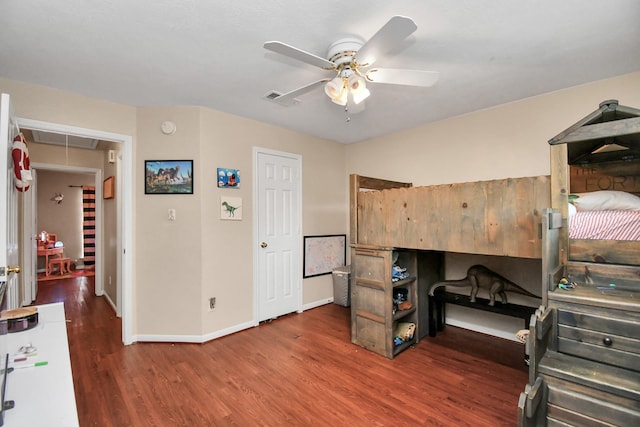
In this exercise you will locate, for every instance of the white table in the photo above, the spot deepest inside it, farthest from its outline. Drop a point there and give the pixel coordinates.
(43, 395)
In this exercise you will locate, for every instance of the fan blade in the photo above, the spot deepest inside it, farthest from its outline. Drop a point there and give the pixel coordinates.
(300, 55)
(402, 77)
(391, 34)
(289, 97)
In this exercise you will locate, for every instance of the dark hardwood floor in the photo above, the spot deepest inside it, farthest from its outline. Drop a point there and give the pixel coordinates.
(299, 370)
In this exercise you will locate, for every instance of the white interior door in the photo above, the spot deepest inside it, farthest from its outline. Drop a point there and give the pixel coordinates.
(278, 213)
(9, 255)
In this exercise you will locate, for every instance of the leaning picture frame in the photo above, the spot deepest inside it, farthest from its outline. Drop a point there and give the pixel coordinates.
(108, 188)
(322, 254)
(168, 177)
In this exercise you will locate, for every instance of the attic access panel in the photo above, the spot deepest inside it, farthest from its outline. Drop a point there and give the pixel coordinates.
(611, 133)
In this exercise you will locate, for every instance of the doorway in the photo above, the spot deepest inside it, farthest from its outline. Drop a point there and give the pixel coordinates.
(278, 225)
(124, 211)
(62, 217)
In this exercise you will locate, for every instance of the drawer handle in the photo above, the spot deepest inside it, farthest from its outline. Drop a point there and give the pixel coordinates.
(607, 341)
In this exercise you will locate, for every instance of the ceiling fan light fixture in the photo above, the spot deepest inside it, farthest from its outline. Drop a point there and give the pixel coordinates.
(361, 95)
(358, 88)
(334, 87)
(349, 57)
(342, 99)
(356, 83)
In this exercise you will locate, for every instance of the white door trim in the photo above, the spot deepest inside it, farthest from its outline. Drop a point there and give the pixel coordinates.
(28, 245)
(126, 234)
(256, 217)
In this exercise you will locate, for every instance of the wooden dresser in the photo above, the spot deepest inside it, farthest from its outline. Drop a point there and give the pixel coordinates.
(584, 343)
(585, 350)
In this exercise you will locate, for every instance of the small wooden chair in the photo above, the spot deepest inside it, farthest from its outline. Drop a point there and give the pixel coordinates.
(64, 265)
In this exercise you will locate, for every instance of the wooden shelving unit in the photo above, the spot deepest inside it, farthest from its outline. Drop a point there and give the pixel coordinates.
(373, 320)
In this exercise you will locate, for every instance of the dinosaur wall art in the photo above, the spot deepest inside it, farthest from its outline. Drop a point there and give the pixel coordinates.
(231, 208)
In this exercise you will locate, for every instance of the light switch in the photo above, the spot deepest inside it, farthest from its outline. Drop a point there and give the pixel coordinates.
(172, 215)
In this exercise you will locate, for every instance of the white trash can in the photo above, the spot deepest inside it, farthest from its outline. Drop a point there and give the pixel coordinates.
(342, 286)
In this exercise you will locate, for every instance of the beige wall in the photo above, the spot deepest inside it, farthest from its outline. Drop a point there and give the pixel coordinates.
(179, 265)
(509, 140)
(183, 263)
(168, 252)
(227, 246)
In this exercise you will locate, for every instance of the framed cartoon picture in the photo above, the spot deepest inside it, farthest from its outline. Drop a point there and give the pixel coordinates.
(228, 178)
(324, 253)
(168, 177)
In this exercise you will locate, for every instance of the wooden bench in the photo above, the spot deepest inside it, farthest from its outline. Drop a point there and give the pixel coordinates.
(64, 265)
(437, 313)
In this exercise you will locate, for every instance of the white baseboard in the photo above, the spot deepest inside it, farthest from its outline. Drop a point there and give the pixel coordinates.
(484, 330)
(318, 303)
(199, 339)
(113, 306)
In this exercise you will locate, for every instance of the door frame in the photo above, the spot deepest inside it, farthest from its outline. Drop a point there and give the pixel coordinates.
(28, 246)
(125, 213)
(256, 222)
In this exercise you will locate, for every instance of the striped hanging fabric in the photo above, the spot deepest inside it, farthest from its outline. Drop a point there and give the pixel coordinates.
(89, 225)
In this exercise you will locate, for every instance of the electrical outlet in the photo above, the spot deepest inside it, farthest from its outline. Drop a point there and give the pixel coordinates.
(212, 303)
(172, 214)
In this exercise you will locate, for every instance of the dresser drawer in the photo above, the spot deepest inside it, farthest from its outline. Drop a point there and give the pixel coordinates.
(610, 340)
(371, 266)
(573, 404)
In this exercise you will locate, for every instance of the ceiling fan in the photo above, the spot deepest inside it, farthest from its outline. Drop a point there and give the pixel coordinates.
(350, 59)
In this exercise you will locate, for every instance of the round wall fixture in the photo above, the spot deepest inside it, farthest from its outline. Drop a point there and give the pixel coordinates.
(168, 127)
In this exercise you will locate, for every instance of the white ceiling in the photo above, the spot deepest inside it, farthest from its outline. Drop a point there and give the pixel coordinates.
(210, 53)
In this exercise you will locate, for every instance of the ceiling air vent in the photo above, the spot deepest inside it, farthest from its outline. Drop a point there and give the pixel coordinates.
(273, 97)
(43, 137)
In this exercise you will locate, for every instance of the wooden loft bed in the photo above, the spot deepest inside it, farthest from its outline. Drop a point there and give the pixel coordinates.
(498, 217)
(418, 225)
(600, 152)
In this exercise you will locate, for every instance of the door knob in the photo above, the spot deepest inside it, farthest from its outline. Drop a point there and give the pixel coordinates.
(15, 269)
(263, 244)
